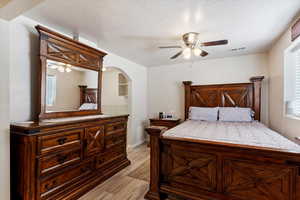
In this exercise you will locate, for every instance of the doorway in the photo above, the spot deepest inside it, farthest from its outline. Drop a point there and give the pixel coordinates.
(116, 95)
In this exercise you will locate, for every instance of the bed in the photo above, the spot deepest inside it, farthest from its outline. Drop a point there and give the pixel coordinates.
(88, 98)
(223, 160)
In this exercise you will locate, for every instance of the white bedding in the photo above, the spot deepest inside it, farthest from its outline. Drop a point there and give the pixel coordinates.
(244, 133)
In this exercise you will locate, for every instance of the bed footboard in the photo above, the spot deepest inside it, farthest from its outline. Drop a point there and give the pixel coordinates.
(186, 169)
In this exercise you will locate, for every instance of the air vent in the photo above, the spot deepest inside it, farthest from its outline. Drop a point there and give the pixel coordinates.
(238, 49)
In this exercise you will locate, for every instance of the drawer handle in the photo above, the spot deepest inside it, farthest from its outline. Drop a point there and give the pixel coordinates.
(49, 187)
(84, 169)
(120, 126)
(62, 141)
(61, 158)
(114, 140)
(100, 161)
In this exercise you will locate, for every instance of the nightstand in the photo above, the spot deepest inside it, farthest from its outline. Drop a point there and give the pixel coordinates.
(167, 122)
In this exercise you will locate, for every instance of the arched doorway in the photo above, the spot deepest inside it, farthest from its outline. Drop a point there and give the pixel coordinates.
(116, 94)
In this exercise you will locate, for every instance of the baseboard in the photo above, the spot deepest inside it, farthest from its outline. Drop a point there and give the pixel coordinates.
(135, 145)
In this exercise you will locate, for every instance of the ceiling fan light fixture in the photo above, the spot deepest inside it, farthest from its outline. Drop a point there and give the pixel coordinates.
(61, 68)
(53, 66)
(187, 53)
(197, 52)
(190, 46)
(191, 38)
(68, 69)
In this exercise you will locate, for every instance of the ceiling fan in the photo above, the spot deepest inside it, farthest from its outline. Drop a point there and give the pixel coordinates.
(192, 45)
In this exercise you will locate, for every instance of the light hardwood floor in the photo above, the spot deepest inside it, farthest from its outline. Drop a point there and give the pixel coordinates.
(123, 186)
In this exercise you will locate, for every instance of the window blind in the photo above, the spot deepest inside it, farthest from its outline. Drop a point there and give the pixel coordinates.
(51, 90)
(297, 84)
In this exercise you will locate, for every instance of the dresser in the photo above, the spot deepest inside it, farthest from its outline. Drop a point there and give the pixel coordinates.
(63, 159)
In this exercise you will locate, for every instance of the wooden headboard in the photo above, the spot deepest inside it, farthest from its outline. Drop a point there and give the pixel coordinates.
(225, 95)
(88, 95)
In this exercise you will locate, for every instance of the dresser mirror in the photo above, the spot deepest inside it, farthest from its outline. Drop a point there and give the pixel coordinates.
(70, 88)
(70, 77)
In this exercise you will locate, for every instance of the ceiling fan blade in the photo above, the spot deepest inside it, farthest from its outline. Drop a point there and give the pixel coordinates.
(215, 43)
(176, 55)
(169, 47)
(203, 53)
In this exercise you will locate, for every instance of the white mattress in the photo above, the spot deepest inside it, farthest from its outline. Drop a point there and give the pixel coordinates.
(244, 133)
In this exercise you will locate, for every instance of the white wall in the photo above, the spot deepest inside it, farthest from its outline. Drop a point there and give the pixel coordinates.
(278, 121)
(4, 111)
(111, 102)
(91, 79)
(23, 79)
(165, 89)
(67, 92)
(110, 89)
(15, 7)
(137, 98)
(24, 64)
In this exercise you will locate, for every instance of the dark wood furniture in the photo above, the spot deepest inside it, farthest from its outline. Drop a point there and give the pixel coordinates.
(88, 95)
(169, 123)
(64, 160)
(224, 95)
(55, 159)
(198, 170)
(295, 30)
(57, 47)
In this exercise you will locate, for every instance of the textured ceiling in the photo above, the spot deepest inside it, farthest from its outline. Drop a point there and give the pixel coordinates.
(135, 28)
(3, 3)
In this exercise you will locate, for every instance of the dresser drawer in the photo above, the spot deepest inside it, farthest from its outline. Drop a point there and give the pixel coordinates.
(113, 154)
(115, 127)
(54, 184)
(61, 140)
(61, 159)
(114, 140)
(94, 140)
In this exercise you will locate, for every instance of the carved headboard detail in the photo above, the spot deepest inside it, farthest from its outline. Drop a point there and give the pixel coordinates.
(225, 95)
(87, 95)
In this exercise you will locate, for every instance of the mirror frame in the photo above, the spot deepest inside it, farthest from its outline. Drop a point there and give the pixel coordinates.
(57, 47)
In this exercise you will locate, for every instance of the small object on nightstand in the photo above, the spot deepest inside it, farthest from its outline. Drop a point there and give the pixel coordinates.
(161, 115)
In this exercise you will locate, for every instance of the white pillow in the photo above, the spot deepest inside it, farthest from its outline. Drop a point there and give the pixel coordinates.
(204, 113)
(235, 114)
(88, 106)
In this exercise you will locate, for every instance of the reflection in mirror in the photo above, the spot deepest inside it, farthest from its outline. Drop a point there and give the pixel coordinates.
(70, 88)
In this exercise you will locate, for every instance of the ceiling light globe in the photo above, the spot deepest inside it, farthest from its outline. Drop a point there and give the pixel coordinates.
(187, 53)
(68, 69)
(191, 38)
(187, 57)
(61, 69)
(197, 52)
(53, 66)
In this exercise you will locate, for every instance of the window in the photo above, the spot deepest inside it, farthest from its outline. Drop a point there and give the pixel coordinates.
(51, 90)
(292, 80)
